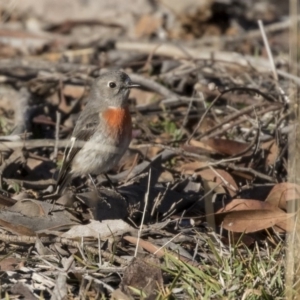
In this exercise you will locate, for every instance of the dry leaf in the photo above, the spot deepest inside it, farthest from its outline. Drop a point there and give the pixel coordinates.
(227, 147)
(202, 145)
(246, 204)
(105, 229)
(254, 220)
(272, 150)
(247, 215)
(221, 146)
(209, 185)
(191, 167)
(220, 177)
(146, 245)
(16, 228)
(283, 192)
(27, 217)
(9, 263)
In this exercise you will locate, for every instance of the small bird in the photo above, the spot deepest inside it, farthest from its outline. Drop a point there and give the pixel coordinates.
(102, 132)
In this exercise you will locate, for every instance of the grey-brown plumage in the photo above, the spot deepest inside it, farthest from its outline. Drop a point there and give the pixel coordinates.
(102, 132)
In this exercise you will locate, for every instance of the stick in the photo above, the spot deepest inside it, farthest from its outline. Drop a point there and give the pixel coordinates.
(144, 213)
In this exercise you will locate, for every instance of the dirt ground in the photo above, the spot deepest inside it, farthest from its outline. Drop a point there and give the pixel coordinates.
(206, 172)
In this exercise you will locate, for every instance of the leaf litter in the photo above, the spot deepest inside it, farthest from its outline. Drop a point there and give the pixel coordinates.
(203, 182)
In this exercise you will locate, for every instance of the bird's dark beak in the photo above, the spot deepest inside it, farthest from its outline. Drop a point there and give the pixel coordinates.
(132, 85)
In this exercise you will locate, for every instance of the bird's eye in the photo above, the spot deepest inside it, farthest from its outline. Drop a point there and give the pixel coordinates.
(112, 84)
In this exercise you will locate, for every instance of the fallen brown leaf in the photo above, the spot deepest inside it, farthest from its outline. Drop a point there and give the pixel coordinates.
(16, 228)
(227, 147)
(191, 167)
(283, 192)
(254, 220)
(220, 177)
(9, 263)
(221, 146)
(246, 215)
(202, 145)
(246, 204)
(272, 150)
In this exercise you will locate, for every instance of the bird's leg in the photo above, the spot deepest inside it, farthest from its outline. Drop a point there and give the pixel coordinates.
(92, 180)
(110, 182)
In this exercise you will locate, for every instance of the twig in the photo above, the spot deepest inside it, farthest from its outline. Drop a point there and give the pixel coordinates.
(153, 86)
(268, 49)
(185, 120)
(29, 144)
(211, 210)
(243, 111)
(177, 151)
(267, 97)
(169, 241)
(147, 64)
(230, 186)
(100, 250)
(223, 163)
(159, 198)
(212, 134)
(98, 281)
(57, 125)
(169, 50)
(202, 118)
(253, 142)
(271, 60)
(249, 35)
(250, 171)
(144, 213)
(24, 239)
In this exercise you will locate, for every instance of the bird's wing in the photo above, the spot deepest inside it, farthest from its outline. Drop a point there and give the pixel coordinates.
(84, 129)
